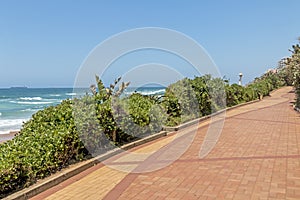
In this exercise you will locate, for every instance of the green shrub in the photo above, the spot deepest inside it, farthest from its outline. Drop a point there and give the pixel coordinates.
(181, 102)
(46, 143)
(235, 94)
(74, 130)
(191, 98)
(217, 93)
(141, 115)
(292, 71)
(213, 94)
(88, 127)
(201, 90)
(172, 107)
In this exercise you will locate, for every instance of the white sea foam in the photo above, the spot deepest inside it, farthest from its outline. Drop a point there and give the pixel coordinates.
(31, 98)
(31, 102)
(146, 92)
(10, 122)
(71, 94)
(30, 110)
(152, 92)
(0, 113)
(7, 125)
(54, 95)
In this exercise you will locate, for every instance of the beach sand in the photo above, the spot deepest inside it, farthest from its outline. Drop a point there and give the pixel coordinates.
(8, 136)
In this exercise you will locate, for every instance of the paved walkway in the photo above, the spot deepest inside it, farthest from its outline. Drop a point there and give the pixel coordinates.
(256, 157)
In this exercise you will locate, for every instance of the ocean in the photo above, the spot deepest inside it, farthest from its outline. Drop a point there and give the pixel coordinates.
(17, 105)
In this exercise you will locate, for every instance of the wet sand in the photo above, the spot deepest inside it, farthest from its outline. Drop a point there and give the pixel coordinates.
(8, 136)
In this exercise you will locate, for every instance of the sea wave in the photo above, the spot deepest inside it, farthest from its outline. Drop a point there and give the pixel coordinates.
(11, 124)
(30, 110)
(147, 92)
(31, 98)
(4, 99)
(152, 92)
(31, 102)
(54, 95)
(71, 94)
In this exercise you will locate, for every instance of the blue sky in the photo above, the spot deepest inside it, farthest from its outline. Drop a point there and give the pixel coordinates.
(44, 43)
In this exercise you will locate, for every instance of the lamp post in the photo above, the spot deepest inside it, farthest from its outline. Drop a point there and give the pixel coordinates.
(240, 80)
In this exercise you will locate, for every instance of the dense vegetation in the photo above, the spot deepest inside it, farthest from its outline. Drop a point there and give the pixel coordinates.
(191, 98)
(47, 143)
(80, 128)
(74, 130)
(291, 68)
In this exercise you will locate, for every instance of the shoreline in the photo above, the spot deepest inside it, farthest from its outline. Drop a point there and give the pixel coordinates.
(7, 136)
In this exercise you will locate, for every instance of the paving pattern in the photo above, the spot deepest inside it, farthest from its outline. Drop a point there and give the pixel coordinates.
(257, 156)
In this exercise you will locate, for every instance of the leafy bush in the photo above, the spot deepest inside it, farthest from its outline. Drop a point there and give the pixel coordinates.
(297, 91)
(72, 131)
(235, 94)
(141, 115)
(201, 90)
(88, 127)
(292, 71)
(250, 93)
(172, 107)
(46, 143)
(191, 98)
(213, 94)
(180, 102)
(217, 93)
